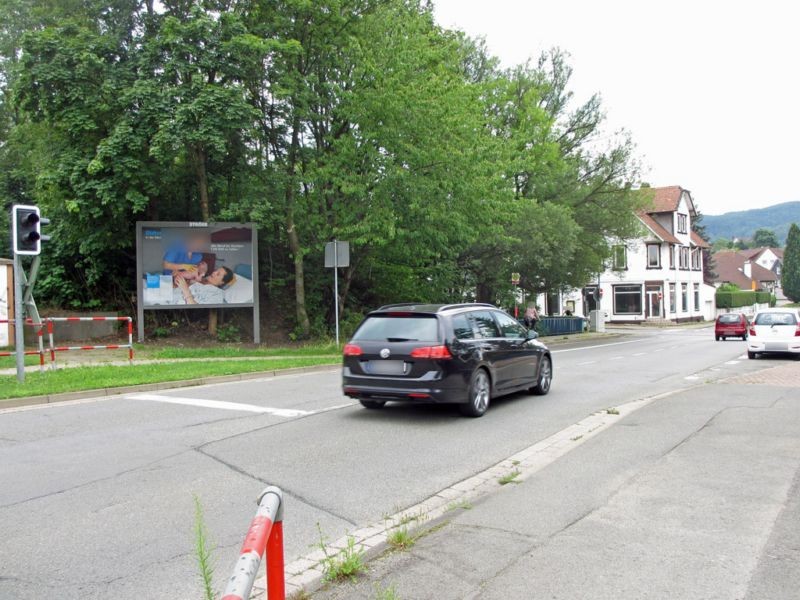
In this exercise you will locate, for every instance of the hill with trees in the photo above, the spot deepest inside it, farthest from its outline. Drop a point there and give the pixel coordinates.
(743, 224)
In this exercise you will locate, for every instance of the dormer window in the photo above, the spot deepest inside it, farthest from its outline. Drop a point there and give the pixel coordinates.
(682, 223)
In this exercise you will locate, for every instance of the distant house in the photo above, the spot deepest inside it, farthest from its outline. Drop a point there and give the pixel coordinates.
(769, 258)
(657, 276)
(740, 267)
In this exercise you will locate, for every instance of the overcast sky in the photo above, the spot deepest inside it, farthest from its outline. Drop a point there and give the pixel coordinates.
(709, 90)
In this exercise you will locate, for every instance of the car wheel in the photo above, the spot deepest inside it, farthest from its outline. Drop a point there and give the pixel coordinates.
(480, 394)
(545, 377)
(744, 338)
(751, 354)
(717, 337)
(372, 404)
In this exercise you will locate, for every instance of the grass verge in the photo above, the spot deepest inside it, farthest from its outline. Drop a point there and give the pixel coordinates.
(98, 377)
(239, 351)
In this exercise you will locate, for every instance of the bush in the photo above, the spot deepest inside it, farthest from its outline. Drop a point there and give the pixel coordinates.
(735, 299)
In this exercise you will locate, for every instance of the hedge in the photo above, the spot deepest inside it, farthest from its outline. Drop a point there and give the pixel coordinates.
(743, 298)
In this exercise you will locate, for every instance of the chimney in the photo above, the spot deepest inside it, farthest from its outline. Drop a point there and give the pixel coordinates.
(747, 268)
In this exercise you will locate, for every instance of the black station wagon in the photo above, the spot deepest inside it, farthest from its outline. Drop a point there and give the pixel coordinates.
(443, 353)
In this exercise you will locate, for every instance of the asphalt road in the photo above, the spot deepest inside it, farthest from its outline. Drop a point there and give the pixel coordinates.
(97, 497)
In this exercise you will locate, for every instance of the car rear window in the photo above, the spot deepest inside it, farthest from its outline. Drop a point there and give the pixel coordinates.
(729, 319)
(776, 319)
(397, 328)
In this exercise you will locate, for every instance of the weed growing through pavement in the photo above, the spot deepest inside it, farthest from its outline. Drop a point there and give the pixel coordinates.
(400, 539)
(509, 478)
(202, 551)
(345, 564)
(612, 411)
(460, 504)
(300, 595)
(388, 593)
(515, 462)
(576, 438)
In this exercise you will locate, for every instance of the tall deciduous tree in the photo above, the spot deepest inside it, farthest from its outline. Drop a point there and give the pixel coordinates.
(765, 238)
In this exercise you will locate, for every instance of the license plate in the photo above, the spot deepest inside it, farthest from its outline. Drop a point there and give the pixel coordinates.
(386, 367)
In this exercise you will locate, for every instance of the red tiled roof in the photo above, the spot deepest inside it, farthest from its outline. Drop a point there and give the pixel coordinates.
(666, 199)
(657, 229)
(698, 241)
(729, 265)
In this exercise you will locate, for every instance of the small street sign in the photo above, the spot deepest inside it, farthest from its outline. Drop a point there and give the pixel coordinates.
(515, 278)
(337, 254)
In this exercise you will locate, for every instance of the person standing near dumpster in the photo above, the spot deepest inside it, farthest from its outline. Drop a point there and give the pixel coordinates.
(531, 316)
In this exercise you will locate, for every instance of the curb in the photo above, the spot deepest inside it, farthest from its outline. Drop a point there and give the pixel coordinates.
(151, 387)
(306, 574)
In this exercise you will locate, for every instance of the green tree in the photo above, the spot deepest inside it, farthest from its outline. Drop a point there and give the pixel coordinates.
(709, 275)
(790, 277)
(765, 238)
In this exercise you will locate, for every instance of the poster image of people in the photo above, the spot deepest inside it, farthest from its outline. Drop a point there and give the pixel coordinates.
(186, 264)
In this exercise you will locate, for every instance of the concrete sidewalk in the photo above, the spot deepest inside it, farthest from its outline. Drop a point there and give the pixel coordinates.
(696, 495)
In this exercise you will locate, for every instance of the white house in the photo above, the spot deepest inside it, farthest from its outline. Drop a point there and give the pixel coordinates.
(657, 276)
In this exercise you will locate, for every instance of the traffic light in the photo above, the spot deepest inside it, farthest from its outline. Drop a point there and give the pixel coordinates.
(26, 225)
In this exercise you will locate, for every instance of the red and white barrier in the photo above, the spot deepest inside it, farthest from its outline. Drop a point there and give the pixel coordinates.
(265, 536)
(39, 337)
(53, 348)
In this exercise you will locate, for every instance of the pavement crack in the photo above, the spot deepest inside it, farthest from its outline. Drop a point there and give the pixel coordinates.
(285, 491)
(93, 481)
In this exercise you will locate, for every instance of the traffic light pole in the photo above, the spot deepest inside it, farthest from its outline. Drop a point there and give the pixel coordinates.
(19, 319)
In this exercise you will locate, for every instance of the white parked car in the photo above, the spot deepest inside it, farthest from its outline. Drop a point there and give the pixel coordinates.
(774, 330)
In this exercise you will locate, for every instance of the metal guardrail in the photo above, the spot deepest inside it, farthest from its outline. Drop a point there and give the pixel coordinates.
(265, 536)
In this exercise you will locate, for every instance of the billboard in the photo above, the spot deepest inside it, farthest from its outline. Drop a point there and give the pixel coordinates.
(186, 265)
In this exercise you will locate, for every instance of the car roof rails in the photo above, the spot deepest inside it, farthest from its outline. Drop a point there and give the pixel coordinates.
(467, 305)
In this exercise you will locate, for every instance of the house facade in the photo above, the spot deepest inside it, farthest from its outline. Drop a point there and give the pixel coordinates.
(659, 275)
(740, 268)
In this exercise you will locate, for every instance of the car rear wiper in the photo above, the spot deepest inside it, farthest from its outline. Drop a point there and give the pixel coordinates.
(398, 339)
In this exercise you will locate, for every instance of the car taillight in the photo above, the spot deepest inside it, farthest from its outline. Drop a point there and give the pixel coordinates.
(432, 352)
(353, 350)
(797, 331)
(752, 331)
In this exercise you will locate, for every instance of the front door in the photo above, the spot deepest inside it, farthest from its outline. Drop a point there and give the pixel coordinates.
(653, 306)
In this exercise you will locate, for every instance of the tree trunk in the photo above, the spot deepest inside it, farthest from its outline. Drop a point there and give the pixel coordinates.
(484, 293)
(205, 212)
(291, 232)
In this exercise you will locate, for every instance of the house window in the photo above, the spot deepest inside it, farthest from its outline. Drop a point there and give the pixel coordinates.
(627, 299)
(653, 256)
(696, 259)
(620, 258)
(684, 258)
(697, 296)
(682, 220)
(672, 256)
(672, 306)
(685, 297)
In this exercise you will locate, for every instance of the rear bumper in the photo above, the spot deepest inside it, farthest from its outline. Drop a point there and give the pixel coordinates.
(763, 347)
(446, 391)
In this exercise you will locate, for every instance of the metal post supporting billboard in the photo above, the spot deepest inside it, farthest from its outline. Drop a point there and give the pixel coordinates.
(337, 254)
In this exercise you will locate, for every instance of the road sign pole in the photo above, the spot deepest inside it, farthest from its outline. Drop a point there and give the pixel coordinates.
(19, 334)
(336, 285)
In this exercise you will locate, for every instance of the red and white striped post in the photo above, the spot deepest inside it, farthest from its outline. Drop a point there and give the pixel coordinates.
(264, 536)
(40, 340)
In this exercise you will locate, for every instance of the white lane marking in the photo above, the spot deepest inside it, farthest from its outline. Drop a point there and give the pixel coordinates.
(732, 362)
(692, 377)
(588, 362)
(743, 356)
(221, 404)
(616, 358)
(598, 346)
(639, 353)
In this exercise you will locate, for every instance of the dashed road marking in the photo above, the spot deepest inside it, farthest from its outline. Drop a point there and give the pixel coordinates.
(597, 346)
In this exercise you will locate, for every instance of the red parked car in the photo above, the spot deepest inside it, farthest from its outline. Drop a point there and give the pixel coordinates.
(731, 325)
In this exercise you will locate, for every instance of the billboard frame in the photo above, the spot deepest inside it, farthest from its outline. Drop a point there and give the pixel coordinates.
(140, 307)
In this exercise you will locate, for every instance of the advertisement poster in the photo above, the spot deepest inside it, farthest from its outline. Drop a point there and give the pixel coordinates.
(190, 265)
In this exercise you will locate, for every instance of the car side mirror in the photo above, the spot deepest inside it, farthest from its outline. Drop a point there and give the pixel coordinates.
(532, 335)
